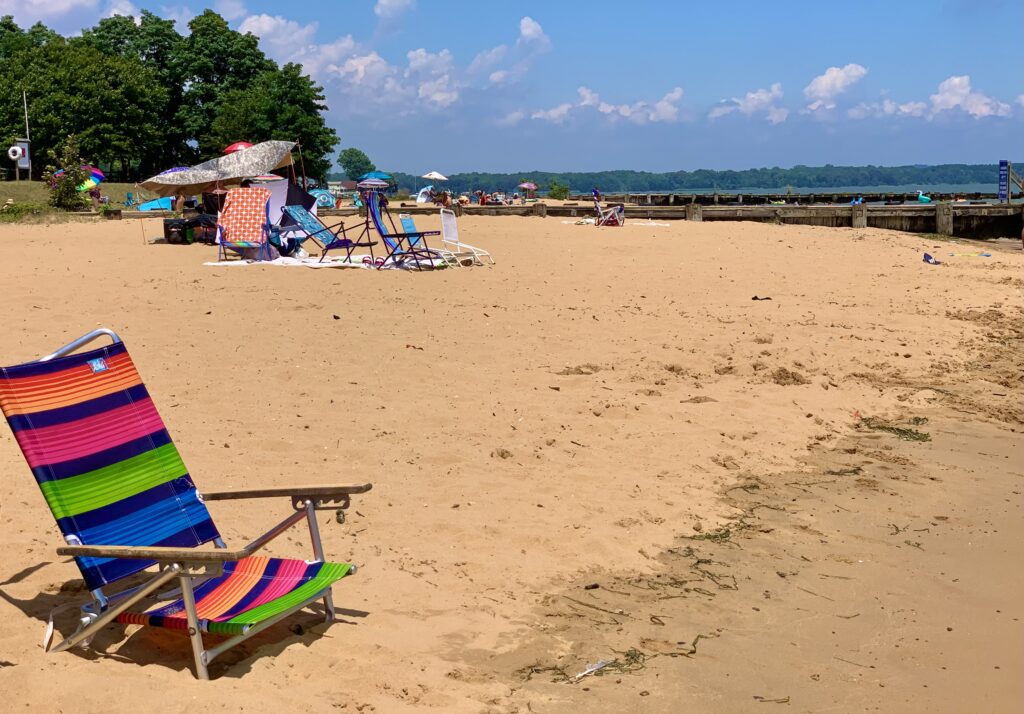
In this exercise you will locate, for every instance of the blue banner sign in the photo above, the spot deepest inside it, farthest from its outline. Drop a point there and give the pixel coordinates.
(1004, 180)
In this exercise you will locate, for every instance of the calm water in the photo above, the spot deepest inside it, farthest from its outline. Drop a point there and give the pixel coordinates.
(928, 188)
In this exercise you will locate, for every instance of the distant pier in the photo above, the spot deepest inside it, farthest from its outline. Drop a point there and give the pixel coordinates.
(792, 199)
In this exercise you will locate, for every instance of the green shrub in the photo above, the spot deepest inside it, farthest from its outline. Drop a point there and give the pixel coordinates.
(558, 191)
(16, 212)
(64, 193)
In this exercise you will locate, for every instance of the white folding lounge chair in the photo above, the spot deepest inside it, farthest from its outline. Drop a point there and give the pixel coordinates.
(450, 241)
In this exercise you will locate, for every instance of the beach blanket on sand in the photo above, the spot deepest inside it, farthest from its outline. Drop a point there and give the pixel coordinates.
(357, 262)
(590, 222)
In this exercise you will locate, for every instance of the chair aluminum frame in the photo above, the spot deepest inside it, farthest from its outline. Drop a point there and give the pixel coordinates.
(461, 250)
(188, 566)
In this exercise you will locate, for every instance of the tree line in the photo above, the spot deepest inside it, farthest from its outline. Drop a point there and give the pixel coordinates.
(140, 97)
(797, 177)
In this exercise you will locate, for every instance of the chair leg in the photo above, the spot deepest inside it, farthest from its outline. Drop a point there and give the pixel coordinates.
(318, 553)
(194, 633)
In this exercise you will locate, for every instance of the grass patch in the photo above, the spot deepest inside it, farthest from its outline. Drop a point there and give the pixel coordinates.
(37, 192)
(17, 212)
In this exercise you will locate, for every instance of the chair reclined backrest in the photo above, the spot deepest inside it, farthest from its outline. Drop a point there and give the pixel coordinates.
(449, 227)
(309, 223)
(245, 216)
(102, 458)
(409, 226)
(372, 201)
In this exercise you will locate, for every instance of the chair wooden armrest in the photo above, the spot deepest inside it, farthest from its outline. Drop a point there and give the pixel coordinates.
(158, 553)
(312, 492)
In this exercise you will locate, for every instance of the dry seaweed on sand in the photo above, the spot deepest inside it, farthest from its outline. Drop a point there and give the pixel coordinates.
(901, 432)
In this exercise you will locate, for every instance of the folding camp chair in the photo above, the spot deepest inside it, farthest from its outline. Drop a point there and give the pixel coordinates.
(416, 239)
(328, 238)
(402, 247)
(244, 224)
(611, 216)
(125, 502)
(450, 241)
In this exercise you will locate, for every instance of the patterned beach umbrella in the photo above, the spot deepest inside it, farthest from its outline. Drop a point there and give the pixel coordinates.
(324, 198)
(373, 183)
(255, 161)
(94, 177)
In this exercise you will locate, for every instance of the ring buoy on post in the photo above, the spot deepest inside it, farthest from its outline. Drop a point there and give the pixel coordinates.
(15, 153)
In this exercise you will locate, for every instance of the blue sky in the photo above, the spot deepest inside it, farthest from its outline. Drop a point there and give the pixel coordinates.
(652, 85)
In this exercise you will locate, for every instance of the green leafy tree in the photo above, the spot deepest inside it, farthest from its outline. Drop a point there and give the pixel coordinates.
(558, 191)
(355, 163)
(110, 104)
(280, 104)
(158, 46)
(215, 60)
(64, 191)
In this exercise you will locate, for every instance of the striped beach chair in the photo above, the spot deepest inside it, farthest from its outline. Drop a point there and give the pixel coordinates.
(125, 503)
(611, 216)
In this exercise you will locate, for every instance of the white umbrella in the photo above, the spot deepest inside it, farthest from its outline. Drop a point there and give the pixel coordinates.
(434, 176)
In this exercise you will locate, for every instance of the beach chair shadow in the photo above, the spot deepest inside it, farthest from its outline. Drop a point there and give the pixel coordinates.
(125, 504)
(161, 647)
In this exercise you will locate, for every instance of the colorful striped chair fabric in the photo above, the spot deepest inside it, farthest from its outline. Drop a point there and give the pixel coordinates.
(111, 476)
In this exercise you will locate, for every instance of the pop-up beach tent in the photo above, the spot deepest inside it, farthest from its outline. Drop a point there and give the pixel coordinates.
(257, 160)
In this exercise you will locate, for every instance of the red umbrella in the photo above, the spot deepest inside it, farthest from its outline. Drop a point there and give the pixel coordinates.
(237, 146)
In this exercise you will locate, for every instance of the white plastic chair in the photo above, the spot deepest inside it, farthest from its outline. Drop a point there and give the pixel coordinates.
(451, 242)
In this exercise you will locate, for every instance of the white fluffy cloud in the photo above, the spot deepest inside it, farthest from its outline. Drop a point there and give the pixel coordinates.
(359, 81)
(391, 9)
(956, 93)
(1020, 100)
(824, 88)
(179, 14)
(517, 60)
(760, 101)
(27, 12)
(230, 10)
(556, 115)
(288, 41)
(887, 108)
(665, 109)
(530, 31)
(122, 7)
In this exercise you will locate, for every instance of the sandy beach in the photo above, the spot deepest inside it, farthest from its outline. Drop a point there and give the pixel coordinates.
(601, 448)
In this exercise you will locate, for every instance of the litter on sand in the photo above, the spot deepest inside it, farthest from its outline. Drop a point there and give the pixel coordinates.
(591, 669)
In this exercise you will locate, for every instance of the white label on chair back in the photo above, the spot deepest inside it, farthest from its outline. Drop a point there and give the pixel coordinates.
(98, 365)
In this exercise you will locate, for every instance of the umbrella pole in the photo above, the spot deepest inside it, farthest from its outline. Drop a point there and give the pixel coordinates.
(302, 164)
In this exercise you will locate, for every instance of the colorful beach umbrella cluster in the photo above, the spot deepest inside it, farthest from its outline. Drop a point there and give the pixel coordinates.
(94, 177)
